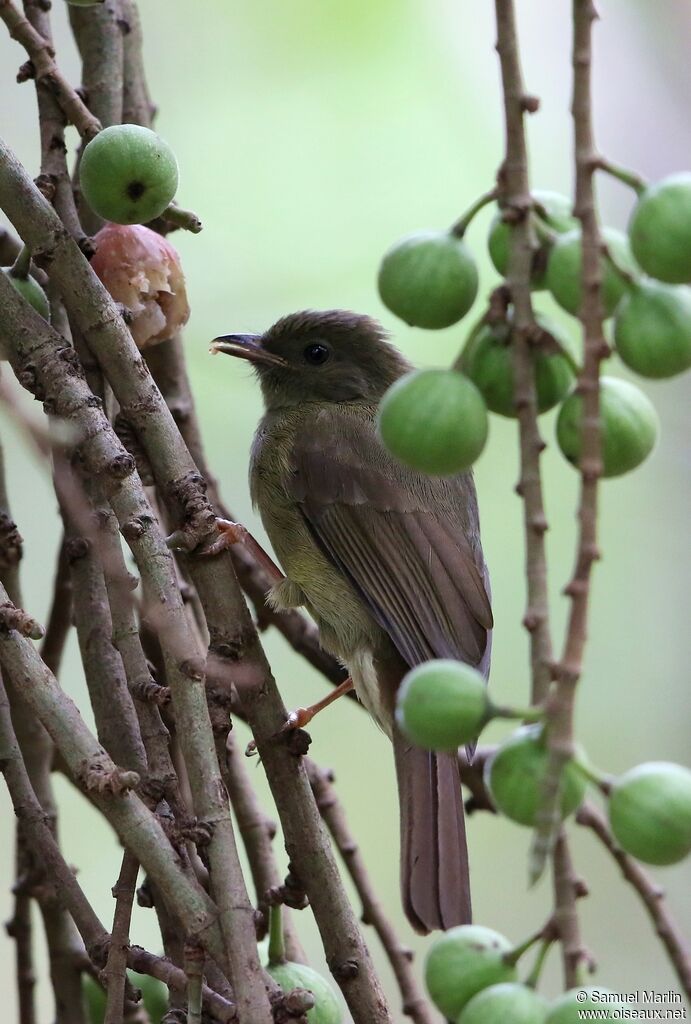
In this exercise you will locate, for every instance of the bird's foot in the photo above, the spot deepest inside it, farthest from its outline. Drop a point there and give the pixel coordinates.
(301, 717)
(230, 534)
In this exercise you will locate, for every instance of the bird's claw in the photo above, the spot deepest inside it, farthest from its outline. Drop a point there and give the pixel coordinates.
(229, 534)
(297, 719)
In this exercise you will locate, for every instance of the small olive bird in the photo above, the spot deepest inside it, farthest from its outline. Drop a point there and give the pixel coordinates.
(387, 561)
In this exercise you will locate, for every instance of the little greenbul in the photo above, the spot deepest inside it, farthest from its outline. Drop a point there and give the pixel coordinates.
(387, 560)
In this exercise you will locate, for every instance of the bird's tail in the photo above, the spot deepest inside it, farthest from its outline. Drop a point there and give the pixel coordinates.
(435, 883)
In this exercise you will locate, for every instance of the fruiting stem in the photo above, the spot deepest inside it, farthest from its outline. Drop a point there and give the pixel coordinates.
(277, 953)
(514, 955)
(627, 277)
(544, 232)
(460, 227)
(532, 714)
(534, 977)
(185, 219)
(21, 266)
(594, 775)
(630, 178)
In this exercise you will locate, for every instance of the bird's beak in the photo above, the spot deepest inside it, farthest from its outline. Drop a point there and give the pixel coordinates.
(246, 346)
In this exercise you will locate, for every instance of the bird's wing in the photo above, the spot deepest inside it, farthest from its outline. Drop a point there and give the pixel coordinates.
(409, 544)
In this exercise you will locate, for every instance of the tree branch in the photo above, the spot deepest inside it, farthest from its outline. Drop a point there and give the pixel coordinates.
(414, 1004)
(514, 192)
(561, 704)
(651, 895)
(44, 69)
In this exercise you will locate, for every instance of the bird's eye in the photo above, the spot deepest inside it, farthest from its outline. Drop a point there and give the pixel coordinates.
(316, 354)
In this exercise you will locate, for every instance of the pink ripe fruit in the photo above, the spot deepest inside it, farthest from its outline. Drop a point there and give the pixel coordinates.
(142, 270)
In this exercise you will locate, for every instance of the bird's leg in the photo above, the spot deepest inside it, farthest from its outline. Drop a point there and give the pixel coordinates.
(230, 533)
(299, 718)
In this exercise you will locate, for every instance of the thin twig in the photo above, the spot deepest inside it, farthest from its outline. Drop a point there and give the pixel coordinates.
(414, 1003)
(44, 68)
(561, 703)
(257, 832)
(651, 895)
(514, 193)
(567, 888)
(116, 964)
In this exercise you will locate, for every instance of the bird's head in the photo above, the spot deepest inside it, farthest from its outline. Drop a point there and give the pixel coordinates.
(333, 356)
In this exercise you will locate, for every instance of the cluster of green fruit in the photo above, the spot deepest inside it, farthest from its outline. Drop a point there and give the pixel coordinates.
(128, 175)
(471, 975)
(443, 705)
(436, 420)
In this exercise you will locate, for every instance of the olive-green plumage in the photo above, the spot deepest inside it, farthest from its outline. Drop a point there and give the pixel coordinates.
(387, 560)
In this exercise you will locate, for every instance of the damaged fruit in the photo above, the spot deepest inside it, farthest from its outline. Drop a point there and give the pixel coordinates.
(142, 271)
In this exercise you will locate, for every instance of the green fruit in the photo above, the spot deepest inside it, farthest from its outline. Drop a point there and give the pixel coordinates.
(434, 421)
(628, 426)
(442, 705)
(326, 1009)
(660, 229)
(128, 174)
(564, 270)
(514, 776)
(429, 279)
(650, 812)
(32, 292)
(555, 212)
(488, 360)
(652, 329)
(508, 1003)
(463, 961)
(568, 1009)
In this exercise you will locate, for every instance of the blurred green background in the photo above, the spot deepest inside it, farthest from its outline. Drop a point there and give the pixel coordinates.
(310, 136)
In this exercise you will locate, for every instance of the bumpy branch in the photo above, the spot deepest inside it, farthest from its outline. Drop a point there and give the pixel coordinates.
(230, 626)
(515, 199)
(651, 895)
(42, 66)
(560, 706)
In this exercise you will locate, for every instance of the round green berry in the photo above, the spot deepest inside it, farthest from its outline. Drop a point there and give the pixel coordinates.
(30, 290)
(514, 776)
(434, 421)
(569, 1008)
(629, 426)
(564, 270)
(508, 1003)
(652, 329)
(442, 705)
(554, 212)
(128, 174)
(488, 360)
(429, 279)
(326, 1009)
(463, 961)
(660, 229)
(650, 812)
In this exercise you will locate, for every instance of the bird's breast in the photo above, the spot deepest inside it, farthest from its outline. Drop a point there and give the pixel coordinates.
(345, 625)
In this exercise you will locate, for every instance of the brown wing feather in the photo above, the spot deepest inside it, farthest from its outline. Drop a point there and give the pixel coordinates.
(409, 544)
